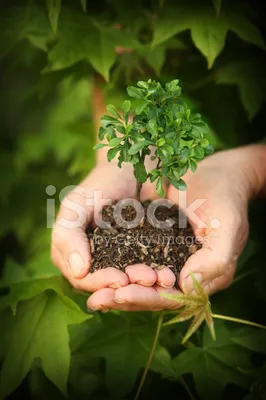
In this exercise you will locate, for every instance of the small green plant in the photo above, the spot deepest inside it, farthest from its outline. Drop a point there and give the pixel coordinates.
(162, 127)
(197, 306)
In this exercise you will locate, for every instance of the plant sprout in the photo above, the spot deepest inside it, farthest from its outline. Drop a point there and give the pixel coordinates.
(162, 128)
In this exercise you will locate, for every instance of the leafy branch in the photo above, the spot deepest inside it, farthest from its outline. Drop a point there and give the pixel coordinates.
(162, 128)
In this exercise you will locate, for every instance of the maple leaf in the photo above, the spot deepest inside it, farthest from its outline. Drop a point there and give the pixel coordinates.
(83, 38)
(196, 305)
(124, 341)
(228, 359)
(37, 328)
(40, 330)
(208, 31)
(251, 84)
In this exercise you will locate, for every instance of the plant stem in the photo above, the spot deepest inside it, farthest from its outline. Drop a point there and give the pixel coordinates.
(240, 321)
(183, 382)
(139, 184)
(138, 190)
(155, 340)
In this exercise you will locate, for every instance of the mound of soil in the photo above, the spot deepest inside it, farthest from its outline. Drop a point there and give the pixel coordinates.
(119, 247)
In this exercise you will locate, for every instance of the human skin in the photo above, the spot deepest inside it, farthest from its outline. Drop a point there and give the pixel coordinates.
(227, 180)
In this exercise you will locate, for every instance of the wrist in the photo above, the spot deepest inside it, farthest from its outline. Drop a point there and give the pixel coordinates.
(251, 161)
(245, 167)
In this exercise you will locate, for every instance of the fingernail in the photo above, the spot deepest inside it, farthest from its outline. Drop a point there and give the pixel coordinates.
(76, 264)
(119, 300)
(188, 285)
(166, 286)
(115, 285)
(93, 309)
(145, 283)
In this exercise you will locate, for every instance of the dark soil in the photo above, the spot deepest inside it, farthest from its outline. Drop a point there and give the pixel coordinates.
(159, 248)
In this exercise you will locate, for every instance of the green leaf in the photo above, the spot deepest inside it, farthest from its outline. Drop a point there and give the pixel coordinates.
(219, 362)
(217, 5)
(102, 133)
(33, 26)
(209, 149)
(140, 172)
(173, 85)
(250, 79)
(126, 351)
(13, 273)
(180, 185)
(208, 31)
(159, 187)
(54, 8)
(83, 5)
(167, 149)
(195, 133)
(112, 153)
(204, 142)
(89, 40)
(112, 110)
(143, 84)
(208, 35)
(99, 146)
(152, 127)
(135, 92)
(155, 57)
(155, 172)
(245, 29)
(25, 290)
(135, 148)
(115, 142)
(126, 105)
(199, 152)
(193, 165)
(41, 329)
(107, 120)
(142, 104)
(160, 142)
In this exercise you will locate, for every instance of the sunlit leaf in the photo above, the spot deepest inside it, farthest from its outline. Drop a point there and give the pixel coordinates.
(40, 326)
(196, 305)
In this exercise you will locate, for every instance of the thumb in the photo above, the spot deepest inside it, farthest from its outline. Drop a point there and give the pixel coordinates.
(214, 264)
(70, 246)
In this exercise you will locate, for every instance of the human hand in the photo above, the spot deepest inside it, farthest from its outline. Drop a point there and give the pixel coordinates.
(226, 180)
(70, 247)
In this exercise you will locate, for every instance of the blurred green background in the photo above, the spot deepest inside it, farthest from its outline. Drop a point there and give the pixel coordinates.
(50, 53)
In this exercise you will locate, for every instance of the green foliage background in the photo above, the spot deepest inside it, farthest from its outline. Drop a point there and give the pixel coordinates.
(50, 345)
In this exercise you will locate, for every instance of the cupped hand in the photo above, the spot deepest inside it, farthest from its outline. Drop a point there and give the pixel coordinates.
(222, 187)
(70, 246)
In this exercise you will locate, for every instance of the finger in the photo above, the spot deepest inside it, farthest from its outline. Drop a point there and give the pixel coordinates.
(146, 298)
(142, 274)
(104, 278)
(103, 300)
(70, 247)
(216, 259)
(165, 278)
(220, 283)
